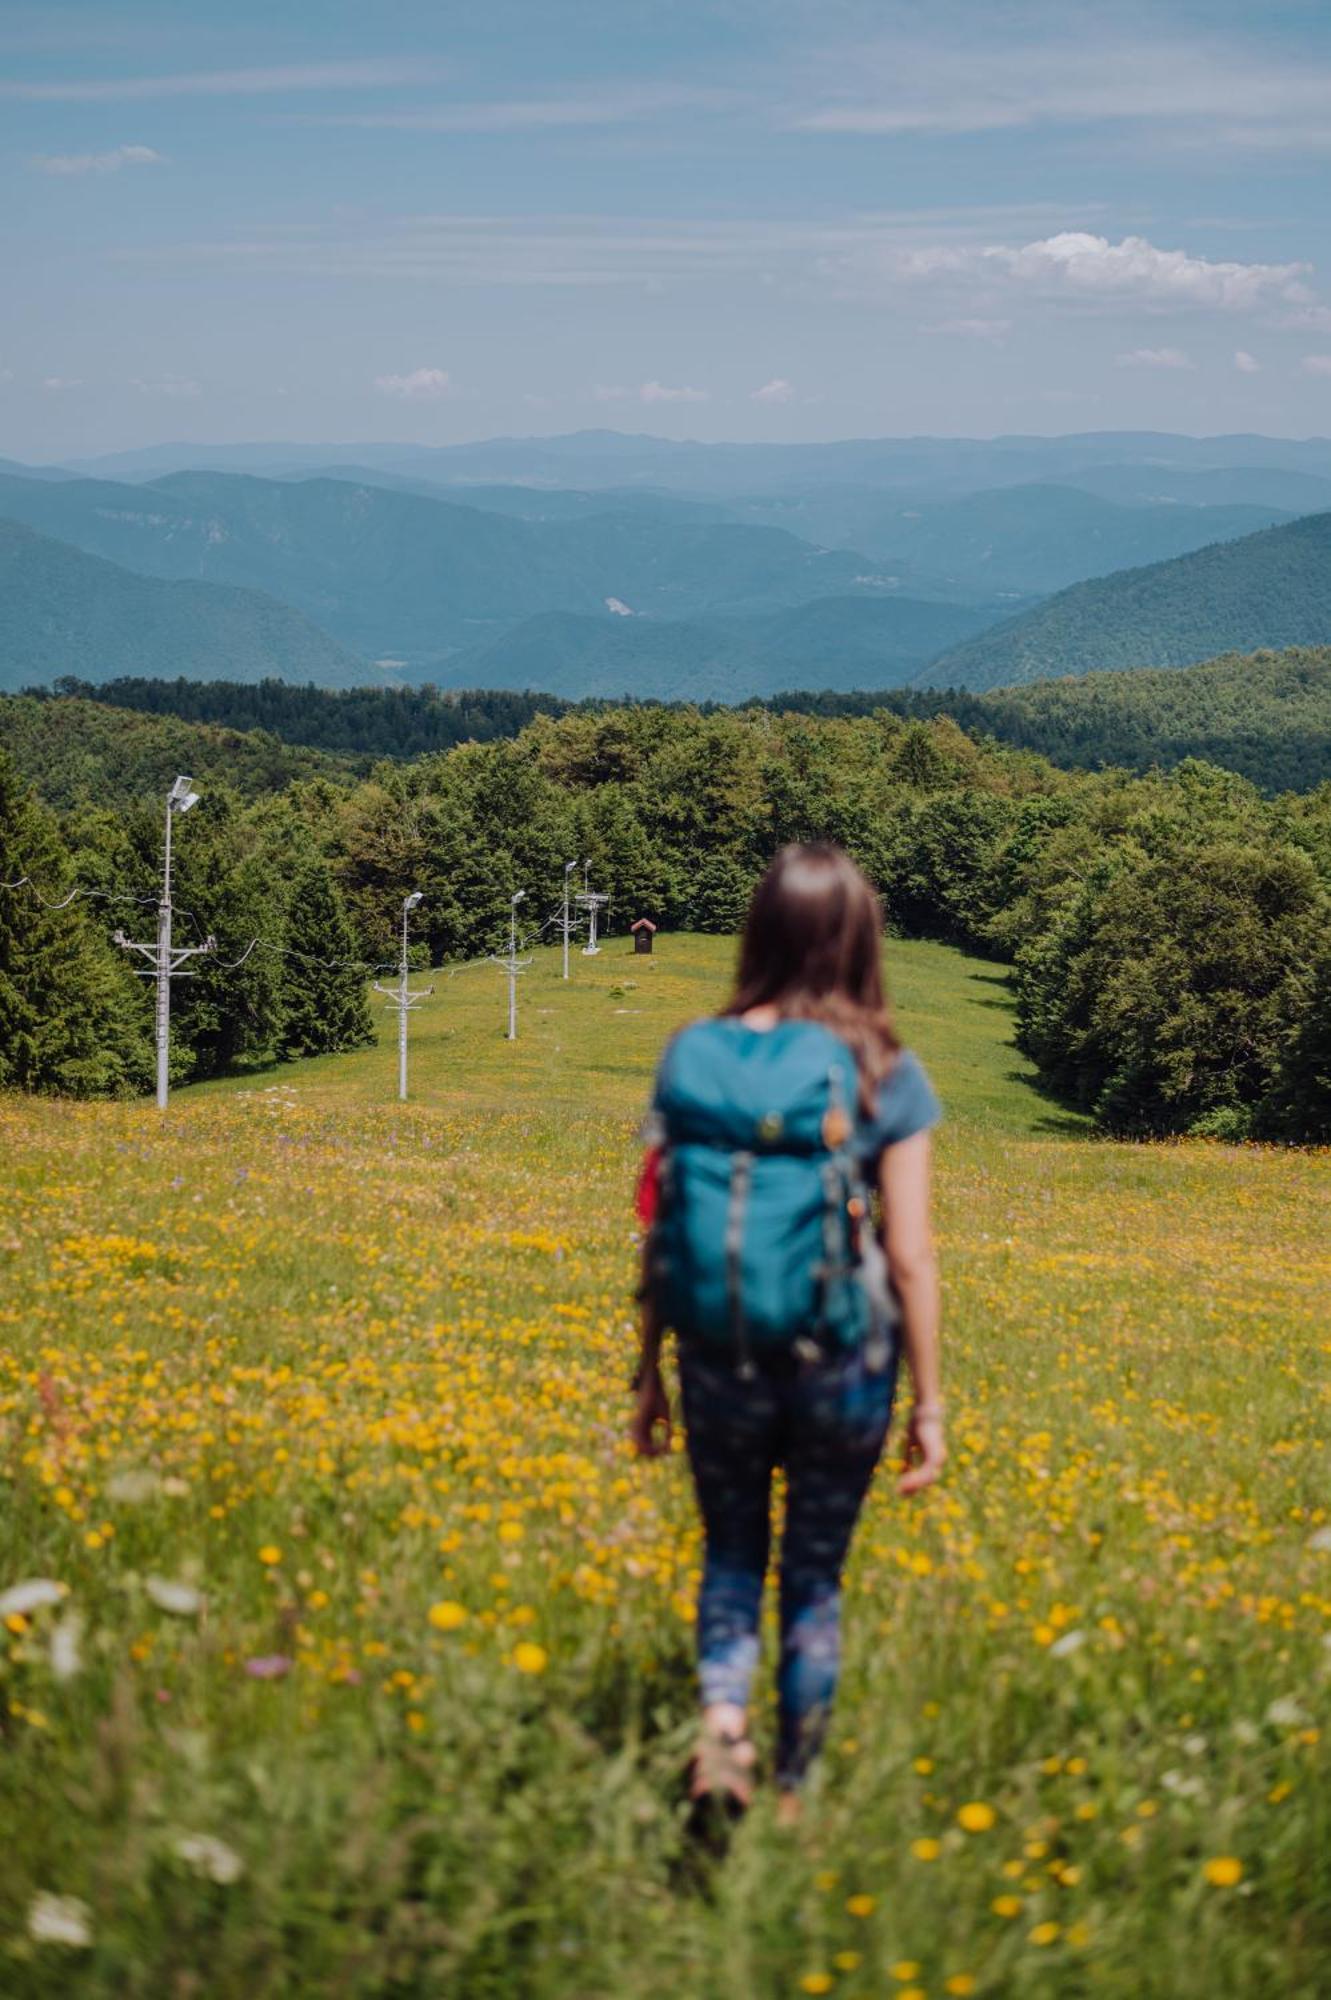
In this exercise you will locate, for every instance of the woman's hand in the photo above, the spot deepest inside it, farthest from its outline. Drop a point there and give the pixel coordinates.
(925, 1454)
(650, 1428)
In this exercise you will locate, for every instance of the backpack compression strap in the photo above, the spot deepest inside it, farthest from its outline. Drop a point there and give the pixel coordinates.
(741, 1174)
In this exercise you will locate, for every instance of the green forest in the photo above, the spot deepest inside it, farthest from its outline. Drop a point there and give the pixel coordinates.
(1169, 934)
(1266, 715)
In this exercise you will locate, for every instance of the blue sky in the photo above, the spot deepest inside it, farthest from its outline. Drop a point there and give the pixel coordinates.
(759, 219)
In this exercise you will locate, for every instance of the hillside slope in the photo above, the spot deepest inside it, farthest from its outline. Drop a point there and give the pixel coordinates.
(1265, 714)
(73, 750)
(833, 642)
(1271, 589)
(65, 612)
(393, 573)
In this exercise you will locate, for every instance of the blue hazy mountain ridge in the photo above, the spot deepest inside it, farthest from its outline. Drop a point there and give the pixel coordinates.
(65, 612)
(390, 573)
(1269, 590)
(1002, 542)
(926, 466)
(833, 642)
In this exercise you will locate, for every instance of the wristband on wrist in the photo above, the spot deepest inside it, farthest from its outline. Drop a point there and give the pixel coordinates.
(928, 1411)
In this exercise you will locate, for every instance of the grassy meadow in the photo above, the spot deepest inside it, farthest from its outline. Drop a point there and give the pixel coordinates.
(370, 1668)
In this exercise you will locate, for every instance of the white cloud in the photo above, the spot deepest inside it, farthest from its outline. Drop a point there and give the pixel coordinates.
(1092, 266)
(1247, 364)
(661, 392)
(1154, 357)
(606, 392)
(1195, 89)
(422, 385)
(609, 104)
(1317, 364)
(370, 74)
(973, 329)
(778, 390)
(58, 382)
(177, 388)
(73, 164)
(1308, 319)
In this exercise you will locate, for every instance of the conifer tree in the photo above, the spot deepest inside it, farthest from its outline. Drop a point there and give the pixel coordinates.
(71, 1021)
(324, 1004)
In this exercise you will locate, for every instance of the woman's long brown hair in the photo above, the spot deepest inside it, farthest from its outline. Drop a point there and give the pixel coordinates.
(813, 949)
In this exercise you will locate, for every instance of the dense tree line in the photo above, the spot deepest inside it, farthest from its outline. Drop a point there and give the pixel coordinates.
(1170, 933)
(1266, 715)
(364, 721)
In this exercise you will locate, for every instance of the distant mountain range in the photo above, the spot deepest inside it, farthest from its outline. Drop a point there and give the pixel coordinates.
(923, 466)
(602, 563)
(64, 612)
(1269, 590)
(392, 574)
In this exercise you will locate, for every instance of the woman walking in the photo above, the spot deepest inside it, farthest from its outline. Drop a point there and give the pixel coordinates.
(776, 1125)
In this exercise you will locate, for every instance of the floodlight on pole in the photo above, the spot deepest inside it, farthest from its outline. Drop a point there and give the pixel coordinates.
(401, 995)
(592, 903)
(167, 961)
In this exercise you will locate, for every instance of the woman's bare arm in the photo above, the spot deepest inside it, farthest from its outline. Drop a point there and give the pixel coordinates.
(903, 1178)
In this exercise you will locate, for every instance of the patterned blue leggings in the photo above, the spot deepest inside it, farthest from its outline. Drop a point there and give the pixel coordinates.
(825, 1422)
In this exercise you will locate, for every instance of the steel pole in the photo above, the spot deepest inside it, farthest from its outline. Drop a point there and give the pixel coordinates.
(566, 923)
(512, 973)
(402, 1016)
(164, 973)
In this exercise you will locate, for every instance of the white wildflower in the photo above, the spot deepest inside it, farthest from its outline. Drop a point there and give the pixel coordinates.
(1246, 1732)
(1195, 1746)
(207, 1855)
(1285, 1713)
(132, 1487)
(182, 1600)
(1321, 1541)
(34, 1594)
(66, 1658)
(1069, 1643)
(63, 1920)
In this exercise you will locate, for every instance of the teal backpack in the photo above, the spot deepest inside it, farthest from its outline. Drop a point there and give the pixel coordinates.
(763, 1241)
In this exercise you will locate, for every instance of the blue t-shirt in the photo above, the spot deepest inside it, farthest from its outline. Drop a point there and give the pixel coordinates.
(906, 1105)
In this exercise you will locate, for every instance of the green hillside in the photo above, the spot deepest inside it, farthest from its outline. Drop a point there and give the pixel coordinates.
(395, 574)
(831, 642)
(73, 749)
(64, 612)
(1267, 715)
(1269, 590)
(1025, 540)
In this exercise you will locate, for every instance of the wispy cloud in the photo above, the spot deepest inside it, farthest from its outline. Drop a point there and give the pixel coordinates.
(778, 390)
(422, 385)
(55, 383)
(1247, 364)
(176, 388)
(1308, 319)
(1186, 86)
(369, 73)
(1317, 364)
(609, 103)
(75, 164)
(1154, 357)
(973, 329)
(662, 392)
